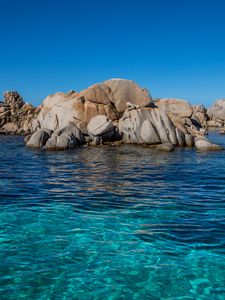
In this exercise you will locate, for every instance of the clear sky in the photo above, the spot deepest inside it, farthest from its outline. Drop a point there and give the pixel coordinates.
(175, 48)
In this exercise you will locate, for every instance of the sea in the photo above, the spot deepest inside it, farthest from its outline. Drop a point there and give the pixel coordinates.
(112, 222)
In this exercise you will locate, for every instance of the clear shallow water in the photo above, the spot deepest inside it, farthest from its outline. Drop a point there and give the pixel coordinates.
(111, 223)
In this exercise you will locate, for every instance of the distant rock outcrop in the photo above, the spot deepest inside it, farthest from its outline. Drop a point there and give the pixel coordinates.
(16, 116)
(216, 114)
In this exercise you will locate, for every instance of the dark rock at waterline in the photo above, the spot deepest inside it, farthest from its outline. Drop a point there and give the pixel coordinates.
(189, 140)
(222, 131)
(67, 138)
(39, 138)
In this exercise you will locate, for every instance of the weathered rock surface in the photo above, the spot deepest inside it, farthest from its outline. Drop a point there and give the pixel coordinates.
(182, 114)
(176, 107)
(160, 124)
(216, 114)
(124, 91)
(147, 126)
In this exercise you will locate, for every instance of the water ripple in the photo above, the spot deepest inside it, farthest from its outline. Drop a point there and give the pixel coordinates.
(111, 223)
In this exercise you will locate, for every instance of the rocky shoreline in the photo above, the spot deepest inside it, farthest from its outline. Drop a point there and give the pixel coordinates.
(115, 111)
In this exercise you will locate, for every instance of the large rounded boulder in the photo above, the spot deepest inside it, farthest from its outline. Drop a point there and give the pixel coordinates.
(108, 98)
(101, 129)
(124, 91)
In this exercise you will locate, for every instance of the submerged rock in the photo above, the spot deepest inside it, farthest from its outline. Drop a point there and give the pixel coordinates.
(203, 144)
(167, 147)
(222, 131)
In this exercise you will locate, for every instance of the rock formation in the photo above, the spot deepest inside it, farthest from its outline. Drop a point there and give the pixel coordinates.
(16, 116)
(115, 110)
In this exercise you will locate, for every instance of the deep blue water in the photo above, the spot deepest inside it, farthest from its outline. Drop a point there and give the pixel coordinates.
(111, 223)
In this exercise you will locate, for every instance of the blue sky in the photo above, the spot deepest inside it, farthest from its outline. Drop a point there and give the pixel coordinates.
(174, 48)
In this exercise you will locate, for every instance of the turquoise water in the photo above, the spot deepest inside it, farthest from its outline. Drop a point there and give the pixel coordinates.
(111, 223)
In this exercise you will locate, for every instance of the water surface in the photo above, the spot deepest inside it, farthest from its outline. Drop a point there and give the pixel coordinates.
(111, 223)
